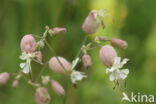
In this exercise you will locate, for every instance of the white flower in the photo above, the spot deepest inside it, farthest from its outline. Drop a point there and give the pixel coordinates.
(115, 70)
(119, 74)
(26, 66)
(77, 76)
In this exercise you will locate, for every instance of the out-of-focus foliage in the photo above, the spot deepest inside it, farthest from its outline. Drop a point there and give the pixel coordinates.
(131, 20)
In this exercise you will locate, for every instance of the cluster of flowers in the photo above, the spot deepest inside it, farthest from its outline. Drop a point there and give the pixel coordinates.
(31, 51)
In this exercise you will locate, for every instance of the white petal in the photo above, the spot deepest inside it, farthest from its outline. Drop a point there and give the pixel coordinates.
(112, 69)
(117, 60)
(124, 61)
(77, 76)
(112, 77)
(124, 73)
(22, 65)
(26, 69)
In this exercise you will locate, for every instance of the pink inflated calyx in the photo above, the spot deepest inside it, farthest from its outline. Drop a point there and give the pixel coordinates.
(60, 65)
(28, 43)
(107, 55)
(91, 23)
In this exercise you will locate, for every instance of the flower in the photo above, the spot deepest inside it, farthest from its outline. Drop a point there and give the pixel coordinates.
(107, 55)
(57, 88)
(98, 39)
(91, 24)
(116, 72)
(57, 30)
(77, 76)
(45, 80)
(93, 21)
(4, 77)
(15, 83)
(28, 43)
(59, 65)
(42, 96)
(119, 43)
(26, 66)
(87, 62)
(38, 56)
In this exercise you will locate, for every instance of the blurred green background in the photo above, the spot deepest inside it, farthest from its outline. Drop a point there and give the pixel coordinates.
(131, 20)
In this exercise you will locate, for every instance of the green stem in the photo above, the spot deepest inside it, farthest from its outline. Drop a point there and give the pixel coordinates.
(42, 70)
(50, 47)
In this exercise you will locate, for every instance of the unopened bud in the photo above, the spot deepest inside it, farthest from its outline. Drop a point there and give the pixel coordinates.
(15, 83)
(28, 43)
(91, 23)
(107, 55)
(57, 88)
(41, 43)
(42, 96)
(45, 80)
(87, 62)
(4, 77)
(100, 38)
(119, 43)
(59, 65)
(57, 30)
(38, 56)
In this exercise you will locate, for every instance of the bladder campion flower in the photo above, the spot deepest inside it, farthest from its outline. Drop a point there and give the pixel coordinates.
(4, 77)
(116, 72)
(28, 43)
(60, 65)
(87, 62)
(57, 88)
(42, 96)
(119, 43)
(107, 55)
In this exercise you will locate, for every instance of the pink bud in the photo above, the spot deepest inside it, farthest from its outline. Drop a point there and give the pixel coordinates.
(59, 65)
(57, 88)
(107, 55)
(38, 55)
(91, 23)
(119, 43)
(42, 96)
(59, 30)
(28, 43)
(101, 38)
(15, 83)
(4, 77)
(87, 62)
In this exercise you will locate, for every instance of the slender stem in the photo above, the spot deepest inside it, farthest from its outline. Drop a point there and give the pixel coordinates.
(79, 52)
(30, 73)
(50, 47)
(42, 70)
(94, 47)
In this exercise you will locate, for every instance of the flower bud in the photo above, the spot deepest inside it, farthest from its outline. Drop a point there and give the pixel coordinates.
(42, 96)
(91, 23)
(119, 43)
(28, 43)
(38, 56)
(87, 62)
(107, 55)
(4, 77)
(41, 43)
(59, 65)
(57, 30)
(57, 88)
(98, 39)
(15, 83)
(45, 80)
